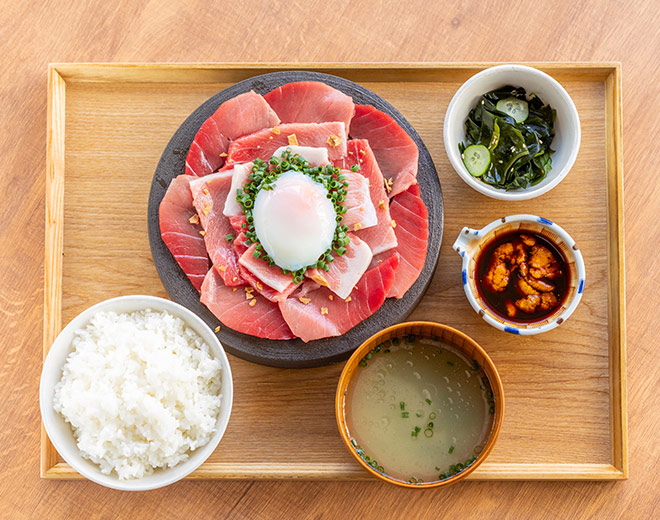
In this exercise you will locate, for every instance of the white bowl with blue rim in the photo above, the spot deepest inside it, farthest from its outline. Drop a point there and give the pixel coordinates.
(470, 243)
(566, 142)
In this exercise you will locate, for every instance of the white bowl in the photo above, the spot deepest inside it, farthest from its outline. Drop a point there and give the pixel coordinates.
(60, 432)
(469, 244)
(567, 126)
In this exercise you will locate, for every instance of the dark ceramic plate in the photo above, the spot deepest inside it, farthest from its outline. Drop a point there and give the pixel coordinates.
(290, 353)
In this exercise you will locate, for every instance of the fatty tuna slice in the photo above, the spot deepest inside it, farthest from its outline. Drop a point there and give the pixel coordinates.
(209, 196)
(380, 237)
(270, 275)
(236, 117)
(395, 151)
(360, 211)
(316, 312)
(412, 232)
(180, 234)
(346, 270)
(314, 156)
(232, 306)
(239, 177)
(262, 144)
(310, 102)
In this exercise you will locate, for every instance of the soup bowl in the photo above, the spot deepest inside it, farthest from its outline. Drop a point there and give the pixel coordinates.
(471, 242)
(458, 341)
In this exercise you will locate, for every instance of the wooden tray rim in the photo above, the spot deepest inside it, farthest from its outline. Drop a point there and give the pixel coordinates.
(59, 74)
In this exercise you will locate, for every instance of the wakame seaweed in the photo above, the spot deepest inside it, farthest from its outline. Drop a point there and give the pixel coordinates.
(520, 153)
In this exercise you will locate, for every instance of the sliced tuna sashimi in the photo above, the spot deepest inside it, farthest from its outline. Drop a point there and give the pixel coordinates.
(412, 232)
(237, 222)
(262, 144)
(236, 117)
(250, 315)
(360, 212)
(314, 156)
(395, 151)
(346, 270)
(319, 314)
(265, 290)
(179, 228)
(310, 102)
(380, 237)
(270, 275)
(239, 177)
(209, 196)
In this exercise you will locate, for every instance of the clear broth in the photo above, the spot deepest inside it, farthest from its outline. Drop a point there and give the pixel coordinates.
(418, 411)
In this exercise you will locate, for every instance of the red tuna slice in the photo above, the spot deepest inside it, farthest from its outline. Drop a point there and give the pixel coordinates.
(237, 222)
(236, 117)
(319, 314)
(209, 196)
(230, 305)
(240, 245)
(181, 236)
(262, 144)
(270, 275)
(310, 102)
(360, 211)
(395, 151)
(346, 270)
(380, 237)
(412, 232)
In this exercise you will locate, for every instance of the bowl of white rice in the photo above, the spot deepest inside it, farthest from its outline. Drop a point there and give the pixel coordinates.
(136, 393)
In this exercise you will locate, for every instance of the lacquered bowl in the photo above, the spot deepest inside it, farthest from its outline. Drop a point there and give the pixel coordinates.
(470, 243)
(458, 340)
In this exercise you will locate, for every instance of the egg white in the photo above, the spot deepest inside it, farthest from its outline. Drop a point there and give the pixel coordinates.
(295, 221)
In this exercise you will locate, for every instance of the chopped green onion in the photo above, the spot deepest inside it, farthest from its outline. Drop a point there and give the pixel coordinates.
(402, 405)
(428, 401)
(229, 237)
(405, 415)
(451, 450)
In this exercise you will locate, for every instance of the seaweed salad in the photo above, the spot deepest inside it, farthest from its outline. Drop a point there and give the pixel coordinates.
(508, 139)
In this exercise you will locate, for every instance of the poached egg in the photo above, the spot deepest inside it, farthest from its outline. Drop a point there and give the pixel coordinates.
(295, 221)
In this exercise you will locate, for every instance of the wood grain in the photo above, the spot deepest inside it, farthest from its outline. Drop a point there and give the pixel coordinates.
(34, 34)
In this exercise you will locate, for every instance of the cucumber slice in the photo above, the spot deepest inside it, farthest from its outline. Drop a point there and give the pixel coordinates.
(514, 107)
(476, 159)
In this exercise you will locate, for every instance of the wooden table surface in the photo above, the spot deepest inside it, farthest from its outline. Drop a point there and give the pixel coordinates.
(33, 34)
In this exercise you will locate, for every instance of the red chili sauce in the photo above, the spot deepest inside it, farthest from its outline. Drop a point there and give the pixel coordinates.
(522, 277)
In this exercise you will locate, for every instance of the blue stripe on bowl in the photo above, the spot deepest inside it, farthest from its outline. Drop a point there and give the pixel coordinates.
(462, 253)
(464, 277)
(581, 287)
(512, 330)
(476, 233)
(544, 221)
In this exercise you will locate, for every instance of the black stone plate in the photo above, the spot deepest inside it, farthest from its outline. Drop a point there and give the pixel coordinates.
(290, 353)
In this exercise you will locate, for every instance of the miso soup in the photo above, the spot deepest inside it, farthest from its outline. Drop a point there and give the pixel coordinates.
(418, 410)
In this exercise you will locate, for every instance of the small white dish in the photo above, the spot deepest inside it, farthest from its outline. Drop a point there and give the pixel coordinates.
(60, 432)
(470, 243)
(567, 126)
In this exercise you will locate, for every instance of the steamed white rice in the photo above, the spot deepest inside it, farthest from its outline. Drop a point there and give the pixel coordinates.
(140, 390)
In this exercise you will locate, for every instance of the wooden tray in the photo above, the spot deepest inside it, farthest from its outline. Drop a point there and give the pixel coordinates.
(566, 389)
